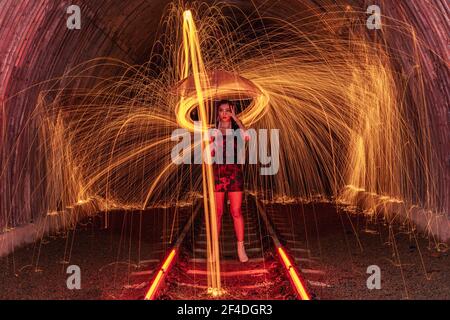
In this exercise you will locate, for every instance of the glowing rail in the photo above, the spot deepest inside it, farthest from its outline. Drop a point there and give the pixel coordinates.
(296, 280)
(161, 275)
(169, 260)
(300, 288)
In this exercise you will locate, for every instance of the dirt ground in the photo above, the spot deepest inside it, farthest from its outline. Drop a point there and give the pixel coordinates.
(108, 258)
(345, 245)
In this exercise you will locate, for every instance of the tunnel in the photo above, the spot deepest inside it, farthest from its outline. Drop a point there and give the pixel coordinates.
(357, 99)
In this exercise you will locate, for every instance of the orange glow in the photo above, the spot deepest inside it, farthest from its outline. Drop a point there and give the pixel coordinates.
(301, 291)
(160, 276)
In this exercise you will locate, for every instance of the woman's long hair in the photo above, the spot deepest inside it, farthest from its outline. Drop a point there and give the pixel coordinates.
(234, 125)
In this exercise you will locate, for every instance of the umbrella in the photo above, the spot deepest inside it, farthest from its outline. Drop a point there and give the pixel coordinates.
(218, 84)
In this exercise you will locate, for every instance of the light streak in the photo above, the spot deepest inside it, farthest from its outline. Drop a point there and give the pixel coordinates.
(347, 130)
(193, 57)
(335, 100)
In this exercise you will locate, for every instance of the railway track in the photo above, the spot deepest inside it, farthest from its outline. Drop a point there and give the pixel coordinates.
(271, 273)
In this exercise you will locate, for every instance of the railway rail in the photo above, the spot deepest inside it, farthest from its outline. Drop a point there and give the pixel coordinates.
(272, 271)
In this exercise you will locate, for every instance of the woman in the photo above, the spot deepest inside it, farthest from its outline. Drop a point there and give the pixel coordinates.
(228, 177)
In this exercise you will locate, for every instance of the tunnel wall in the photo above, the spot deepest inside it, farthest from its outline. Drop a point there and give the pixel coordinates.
(36, 46)
(430, 24)
(429, 73)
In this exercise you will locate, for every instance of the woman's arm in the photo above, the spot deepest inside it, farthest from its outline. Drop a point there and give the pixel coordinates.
(245, 135)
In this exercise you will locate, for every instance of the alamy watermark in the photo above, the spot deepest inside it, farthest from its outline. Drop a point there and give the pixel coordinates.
(374, 21)
(374, 280)
(258, 147)
(74, 280)
(74, 20)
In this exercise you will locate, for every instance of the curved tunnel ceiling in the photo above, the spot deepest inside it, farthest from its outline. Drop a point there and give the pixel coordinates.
(36, 46)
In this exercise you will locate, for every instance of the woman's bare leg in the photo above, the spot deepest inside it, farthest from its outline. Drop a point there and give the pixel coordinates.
(219, 196)
(236, 212)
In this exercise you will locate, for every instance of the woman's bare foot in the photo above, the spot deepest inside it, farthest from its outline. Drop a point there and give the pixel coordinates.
(241, 252)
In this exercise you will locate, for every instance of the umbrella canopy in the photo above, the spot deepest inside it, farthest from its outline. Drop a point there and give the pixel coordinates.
(218, 84)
